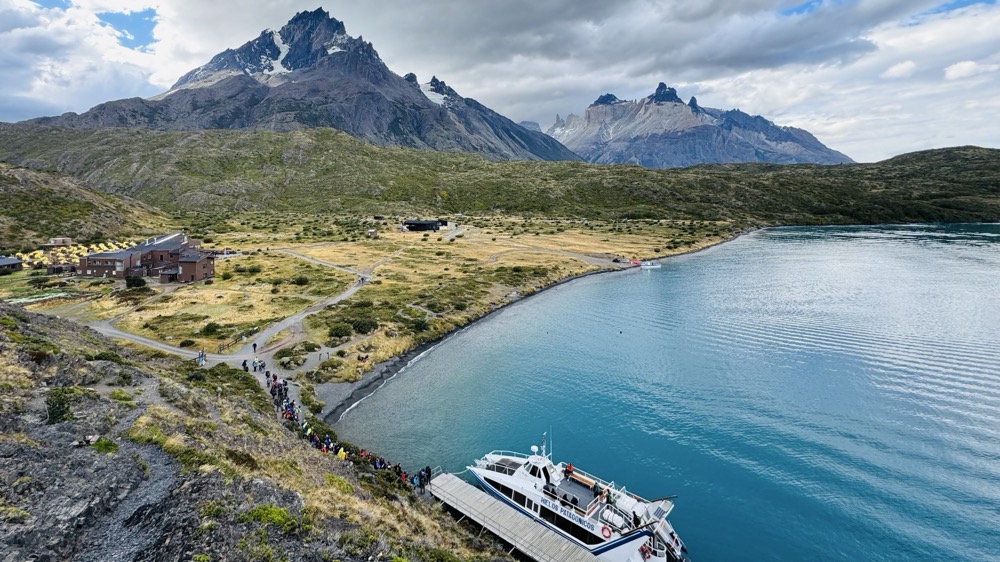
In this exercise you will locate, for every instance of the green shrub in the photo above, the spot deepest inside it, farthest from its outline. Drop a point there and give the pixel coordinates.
(211, 329)
(121, 396)
(107, 356)
(341, 330)
(338, 482)
(106, 446)
(364, 325)
(300, 280)
(57, 404)
(210, 508)
(254, 269)
(272, 515)
(186, 343)
(13, 514)
(227, 275)
(134, 282)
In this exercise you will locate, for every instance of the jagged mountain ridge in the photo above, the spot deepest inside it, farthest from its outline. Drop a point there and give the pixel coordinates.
(311, 73)
(661, 131)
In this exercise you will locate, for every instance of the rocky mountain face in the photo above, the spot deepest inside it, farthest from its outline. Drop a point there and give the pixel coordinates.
(311, 73)
(661, 131)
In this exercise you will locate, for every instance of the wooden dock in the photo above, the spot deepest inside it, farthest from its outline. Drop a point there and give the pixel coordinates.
(530, 538)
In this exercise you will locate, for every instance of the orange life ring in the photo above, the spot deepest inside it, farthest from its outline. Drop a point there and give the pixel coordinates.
(645, 551)
(606, 531)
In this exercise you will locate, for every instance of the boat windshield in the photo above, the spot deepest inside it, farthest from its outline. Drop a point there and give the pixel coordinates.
(504, 466)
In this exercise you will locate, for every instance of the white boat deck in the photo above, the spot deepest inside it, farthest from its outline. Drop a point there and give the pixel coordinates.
(530, 538)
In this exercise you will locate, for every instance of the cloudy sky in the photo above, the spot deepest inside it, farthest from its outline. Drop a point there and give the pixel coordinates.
(871, 78)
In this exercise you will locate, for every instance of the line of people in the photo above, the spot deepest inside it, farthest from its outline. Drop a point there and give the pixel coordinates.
(288, 410)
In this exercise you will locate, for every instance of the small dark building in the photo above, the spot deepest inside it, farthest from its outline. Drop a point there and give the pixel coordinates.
(60, 268)
(11, 264)
(417, 226)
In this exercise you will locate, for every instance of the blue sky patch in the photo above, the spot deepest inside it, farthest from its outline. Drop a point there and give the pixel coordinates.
(52, 3)
(955, 4)
(136, 27)
(803, 8)
(808, 6)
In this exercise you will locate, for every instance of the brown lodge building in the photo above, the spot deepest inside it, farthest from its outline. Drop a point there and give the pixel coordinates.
(171, 257)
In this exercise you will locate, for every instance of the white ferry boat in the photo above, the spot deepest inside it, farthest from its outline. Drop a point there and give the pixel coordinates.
(650, 265)
(600, 516)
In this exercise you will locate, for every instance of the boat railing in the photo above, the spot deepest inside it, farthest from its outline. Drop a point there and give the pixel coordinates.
(507, 454)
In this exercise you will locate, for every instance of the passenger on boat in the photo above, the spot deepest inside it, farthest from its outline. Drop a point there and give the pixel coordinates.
(568, 471)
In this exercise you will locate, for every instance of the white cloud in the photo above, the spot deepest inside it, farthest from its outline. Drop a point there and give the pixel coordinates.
(826, 70)
(967, 68)
(900, 70)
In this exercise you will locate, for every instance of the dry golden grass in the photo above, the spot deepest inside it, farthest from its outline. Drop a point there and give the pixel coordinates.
(423, 284)
(241, 302)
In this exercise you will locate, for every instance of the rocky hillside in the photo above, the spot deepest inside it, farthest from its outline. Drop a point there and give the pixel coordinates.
(109, 453)
(37, 205)
(311, 73)
(661, 131)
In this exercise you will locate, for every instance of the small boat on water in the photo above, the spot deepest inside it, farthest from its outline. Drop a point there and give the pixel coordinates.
(649, 265)
(600, 516)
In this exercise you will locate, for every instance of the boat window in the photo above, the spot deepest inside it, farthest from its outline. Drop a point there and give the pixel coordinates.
(500, 487)
(547, 514)
(534, 471)
(578, 532)
(520, 498)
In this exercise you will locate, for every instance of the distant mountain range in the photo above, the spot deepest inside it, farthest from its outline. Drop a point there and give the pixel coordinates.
(310, 73)
(661, 131)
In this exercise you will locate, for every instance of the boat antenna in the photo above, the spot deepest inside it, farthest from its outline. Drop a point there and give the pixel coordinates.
(543, 443)
(551, 441)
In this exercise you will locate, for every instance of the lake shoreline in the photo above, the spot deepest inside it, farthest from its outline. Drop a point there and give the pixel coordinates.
(342, 397)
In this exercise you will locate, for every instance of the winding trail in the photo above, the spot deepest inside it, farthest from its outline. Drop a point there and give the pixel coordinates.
(294, 323)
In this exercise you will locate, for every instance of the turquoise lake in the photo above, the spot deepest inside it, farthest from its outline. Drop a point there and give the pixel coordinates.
(808, 393)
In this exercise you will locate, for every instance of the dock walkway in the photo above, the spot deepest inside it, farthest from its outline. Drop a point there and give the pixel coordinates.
(530, 538)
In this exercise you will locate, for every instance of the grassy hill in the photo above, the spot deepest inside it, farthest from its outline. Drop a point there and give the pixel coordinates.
(37, 205)
(325, 170)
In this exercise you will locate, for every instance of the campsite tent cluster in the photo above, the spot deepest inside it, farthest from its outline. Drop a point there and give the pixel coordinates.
(59, 254)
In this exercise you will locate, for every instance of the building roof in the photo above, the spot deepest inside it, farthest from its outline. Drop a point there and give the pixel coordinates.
(9, 261)
(172, 241)
(194, 257)
(116, 255)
